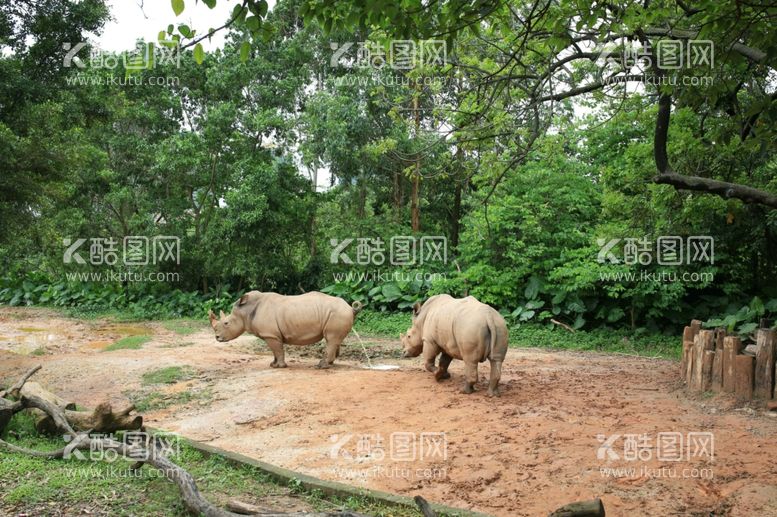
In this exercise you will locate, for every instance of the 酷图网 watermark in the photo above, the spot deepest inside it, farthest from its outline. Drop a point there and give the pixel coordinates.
(667, 54)
(145, 56)
(397, 54)
(136, 250)
(401, 250)
(674, 450)
(669, 250)
(665, 446)
(405, 450)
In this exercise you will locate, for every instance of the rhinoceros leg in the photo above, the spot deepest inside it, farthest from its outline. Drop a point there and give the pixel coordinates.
(470, 376)
(493, 383)
(332, 351)
(442, 370)
(278, 353)
(431, 350)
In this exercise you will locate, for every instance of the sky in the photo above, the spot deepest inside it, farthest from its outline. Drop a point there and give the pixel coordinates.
(131, 22)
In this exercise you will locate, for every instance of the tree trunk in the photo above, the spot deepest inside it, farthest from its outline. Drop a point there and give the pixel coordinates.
(415, 210)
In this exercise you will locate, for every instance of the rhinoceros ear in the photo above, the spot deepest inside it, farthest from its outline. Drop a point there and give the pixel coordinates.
(416, 308)
(212, 318)
(243, 299)
(222, 315)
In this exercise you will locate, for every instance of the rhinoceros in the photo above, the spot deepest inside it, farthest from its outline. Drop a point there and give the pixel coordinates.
(295, 320)
(458, 328)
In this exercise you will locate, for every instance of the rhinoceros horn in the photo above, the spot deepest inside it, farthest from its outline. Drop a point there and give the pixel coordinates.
(222, 315)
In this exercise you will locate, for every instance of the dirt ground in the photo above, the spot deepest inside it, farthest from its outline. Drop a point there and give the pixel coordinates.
(540, 445)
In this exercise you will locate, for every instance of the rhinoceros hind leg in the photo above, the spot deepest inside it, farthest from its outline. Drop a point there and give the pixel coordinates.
(332, 351)
(442, 370)
(493, 383)
(471, 377)
(277, 351)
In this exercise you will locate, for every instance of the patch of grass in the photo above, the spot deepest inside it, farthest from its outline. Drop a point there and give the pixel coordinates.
(601, 340)
(33, 486)
(387, 324)
(169, 375)
(39, 351)
(128, 343)
(157, 400)
(184, 327)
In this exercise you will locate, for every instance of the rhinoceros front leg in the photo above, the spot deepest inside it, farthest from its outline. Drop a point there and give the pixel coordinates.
(278, 353)
(431, 350)
(442, 370)
(470, 376)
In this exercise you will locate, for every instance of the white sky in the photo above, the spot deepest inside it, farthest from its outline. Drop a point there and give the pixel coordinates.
(131, 22)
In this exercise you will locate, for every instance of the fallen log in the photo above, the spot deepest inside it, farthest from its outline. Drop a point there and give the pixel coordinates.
(7, 410)
(424, 506)
(100, 420)
(593, 508)
(13, 391)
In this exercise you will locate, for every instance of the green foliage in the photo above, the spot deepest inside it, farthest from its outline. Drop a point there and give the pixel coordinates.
(745, 319)
(389, 324)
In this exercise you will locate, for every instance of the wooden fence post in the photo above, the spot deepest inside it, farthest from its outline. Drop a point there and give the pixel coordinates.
(743, 373)
(764, 363)
(717, 361)
(732, 345)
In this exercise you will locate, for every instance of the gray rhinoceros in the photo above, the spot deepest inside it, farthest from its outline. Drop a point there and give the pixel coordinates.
(458, 328)
(295, 320)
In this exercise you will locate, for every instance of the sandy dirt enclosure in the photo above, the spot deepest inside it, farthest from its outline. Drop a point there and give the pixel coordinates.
(548, 440)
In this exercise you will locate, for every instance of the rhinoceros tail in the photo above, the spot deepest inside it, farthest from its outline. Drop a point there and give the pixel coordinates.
(357, 306)
(492, 332)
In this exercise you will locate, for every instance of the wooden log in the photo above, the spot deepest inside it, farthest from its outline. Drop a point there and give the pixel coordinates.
(424, 506)
(593, 508)
(707, 363)
(764, 364)
(704, 341)
(731, 347)
(14, 390)
(7, 410)
(716, 384)
(100, 420)
(743, 377)
(33, 389)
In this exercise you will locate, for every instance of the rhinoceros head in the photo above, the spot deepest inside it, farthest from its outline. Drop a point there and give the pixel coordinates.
(226, 327)
(412, 344)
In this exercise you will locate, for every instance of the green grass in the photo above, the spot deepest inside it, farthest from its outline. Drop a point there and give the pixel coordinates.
(600, 340)
(149, 401)
(184, 327)
(128, 343)
(169, 375)
(34, 486)
(388, 324)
